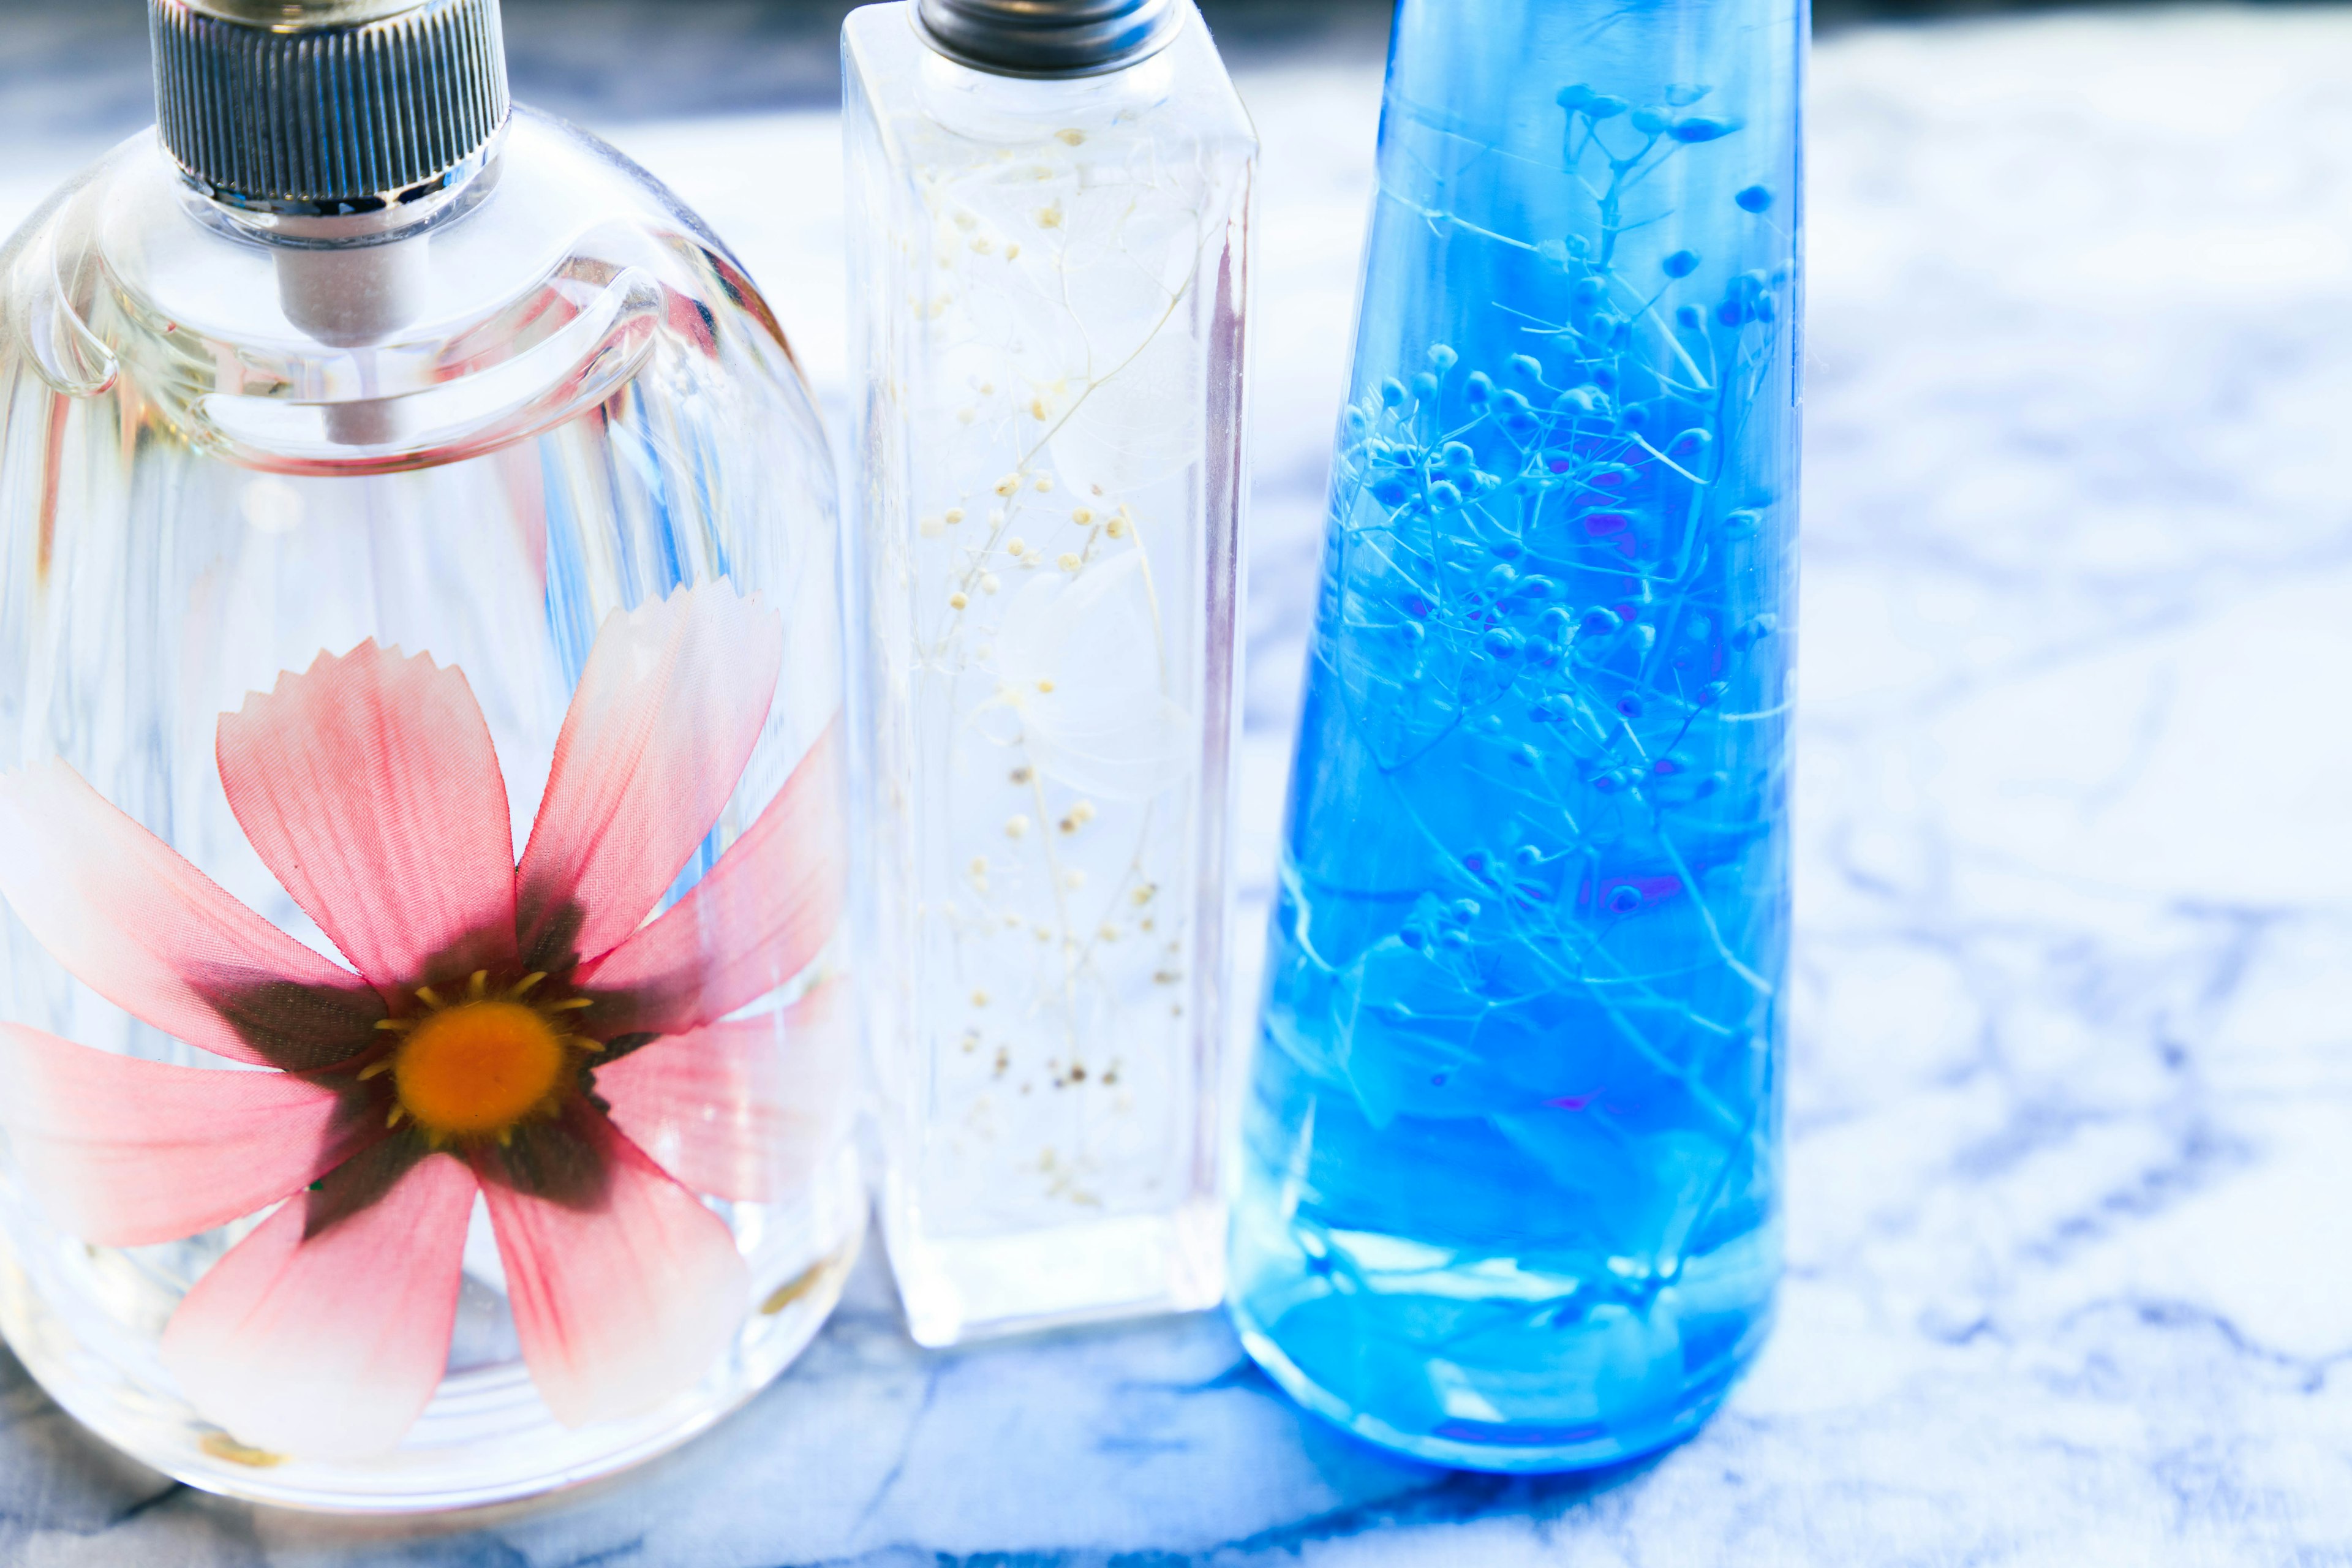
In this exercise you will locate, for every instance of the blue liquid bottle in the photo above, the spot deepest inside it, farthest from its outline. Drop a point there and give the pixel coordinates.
(1511, 1175)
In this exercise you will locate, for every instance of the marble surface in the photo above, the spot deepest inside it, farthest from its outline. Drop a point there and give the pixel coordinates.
(2069, 1147)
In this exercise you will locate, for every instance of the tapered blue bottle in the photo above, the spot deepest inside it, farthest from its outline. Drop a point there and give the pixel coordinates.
(1511, 1175)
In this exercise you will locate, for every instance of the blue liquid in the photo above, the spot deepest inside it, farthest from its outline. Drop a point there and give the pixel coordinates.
(1511, 1169)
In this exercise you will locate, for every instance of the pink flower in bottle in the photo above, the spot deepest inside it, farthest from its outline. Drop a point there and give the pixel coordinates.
(520, 1032)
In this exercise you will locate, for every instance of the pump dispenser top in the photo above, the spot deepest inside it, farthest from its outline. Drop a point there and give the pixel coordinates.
(322, 107)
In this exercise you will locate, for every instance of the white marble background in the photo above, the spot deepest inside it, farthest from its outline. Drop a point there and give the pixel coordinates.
(2070, 1108)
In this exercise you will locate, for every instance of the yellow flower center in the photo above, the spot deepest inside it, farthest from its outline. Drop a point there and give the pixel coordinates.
(481, 1063)
(474, 1068)
(478, 1068)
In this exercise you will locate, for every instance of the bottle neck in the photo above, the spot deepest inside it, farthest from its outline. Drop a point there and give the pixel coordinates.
(1048, 39)
(352, 278)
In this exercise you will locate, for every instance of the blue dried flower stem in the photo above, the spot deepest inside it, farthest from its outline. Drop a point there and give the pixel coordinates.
(1393, 447)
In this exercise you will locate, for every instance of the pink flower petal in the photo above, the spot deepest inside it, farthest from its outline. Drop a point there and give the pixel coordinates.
(156, 937)
(750, 925)
(745, 1111)
(369, 785)
(626, 1290)
(124, 1153)
(659, 728)
(323, 1334)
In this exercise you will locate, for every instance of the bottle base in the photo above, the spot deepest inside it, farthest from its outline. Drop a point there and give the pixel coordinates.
(486, 1438)
(957, 1289)
(1503, 1447)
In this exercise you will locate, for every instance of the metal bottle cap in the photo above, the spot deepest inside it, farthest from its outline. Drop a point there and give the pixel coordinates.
(324, 107)
(1048, 37)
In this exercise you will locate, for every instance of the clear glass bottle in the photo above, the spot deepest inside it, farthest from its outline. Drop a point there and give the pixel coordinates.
(1049, 236)
(1511, 1175)
(425, 1075)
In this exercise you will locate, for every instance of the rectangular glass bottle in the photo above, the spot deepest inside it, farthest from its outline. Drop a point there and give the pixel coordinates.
(1050, 276)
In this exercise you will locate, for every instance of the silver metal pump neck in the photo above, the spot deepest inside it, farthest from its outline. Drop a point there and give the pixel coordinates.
(1048, 37)
(321, 107)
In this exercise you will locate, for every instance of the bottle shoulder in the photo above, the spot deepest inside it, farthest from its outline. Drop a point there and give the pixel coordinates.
(548, 291)
(920, 111)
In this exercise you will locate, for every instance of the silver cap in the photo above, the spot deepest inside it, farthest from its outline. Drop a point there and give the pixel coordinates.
(327, 106)
(1048, 37)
